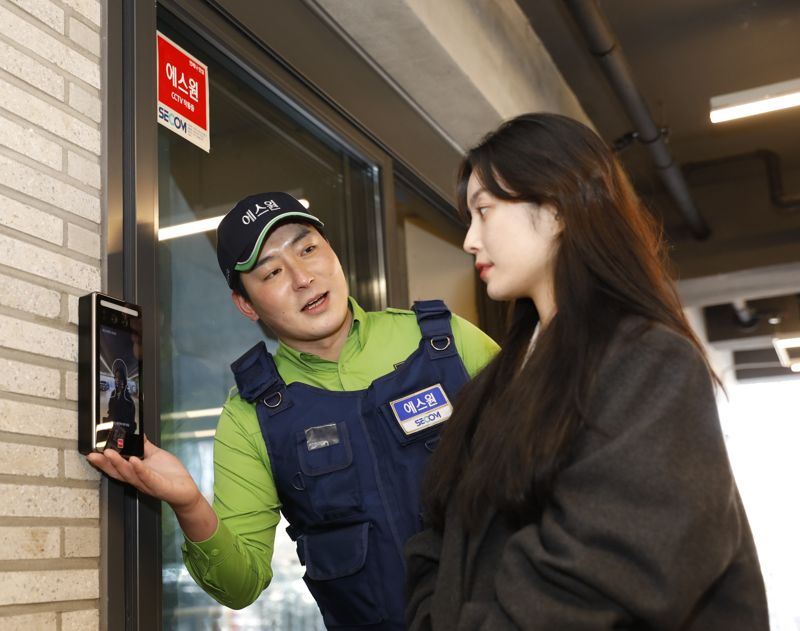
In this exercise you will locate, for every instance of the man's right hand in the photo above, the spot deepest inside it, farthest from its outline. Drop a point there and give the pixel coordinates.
(160, 474)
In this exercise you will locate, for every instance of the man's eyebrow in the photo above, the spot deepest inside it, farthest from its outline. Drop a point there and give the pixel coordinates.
(302, 233)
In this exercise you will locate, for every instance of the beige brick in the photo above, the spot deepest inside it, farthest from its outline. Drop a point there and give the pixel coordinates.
(29, 36)
(53, 191)
(53, 119)
(49, 265)
(24, 296)
(72, 309)
(77, 468)
(24, 378)
(30, 142)
(83, 241)
(29, 543)
(71, 385)
(48, 586)
(85, 102)
(16, 459)
(38, 338)
(47, 12)
(38, 420)
(87, 171)
(31, 71)
(29, 622)
(90, 9)
(84, 36)
(21, 500)
(29, 220)
(83, 620)
(81, 542)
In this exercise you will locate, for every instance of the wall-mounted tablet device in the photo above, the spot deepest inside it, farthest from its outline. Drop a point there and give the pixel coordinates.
(110, 375)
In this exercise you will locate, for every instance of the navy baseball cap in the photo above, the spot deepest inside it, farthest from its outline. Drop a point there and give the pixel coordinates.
(242, 231)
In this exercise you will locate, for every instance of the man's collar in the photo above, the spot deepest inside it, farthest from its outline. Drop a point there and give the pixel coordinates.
(358, 329)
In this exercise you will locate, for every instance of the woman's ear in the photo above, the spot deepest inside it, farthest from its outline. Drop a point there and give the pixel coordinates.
(553, 219)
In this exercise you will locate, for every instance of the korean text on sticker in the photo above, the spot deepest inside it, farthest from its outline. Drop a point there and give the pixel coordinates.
(422, 409)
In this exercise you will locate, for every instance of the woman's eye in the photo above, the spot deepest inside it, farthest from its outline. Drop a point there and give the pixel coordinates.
(482, 210)
(272, 274)
(309, 249)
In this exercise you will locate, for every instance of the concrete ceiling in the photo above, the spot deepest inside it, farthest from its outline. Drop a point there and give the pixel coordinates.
(468, 64)
(681, 53)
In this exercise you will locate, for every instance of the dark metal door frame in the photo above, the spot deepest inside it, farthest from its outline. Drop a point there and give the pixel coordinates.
(131, 532)
(131, 539)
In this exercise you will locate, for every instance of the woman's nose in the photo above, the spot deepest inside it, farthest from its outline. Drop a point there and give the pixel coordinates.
(472, 239)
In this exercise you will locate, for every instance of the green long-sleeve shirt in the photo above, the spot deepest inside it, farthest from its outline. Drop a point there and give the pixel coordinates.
(234, 564)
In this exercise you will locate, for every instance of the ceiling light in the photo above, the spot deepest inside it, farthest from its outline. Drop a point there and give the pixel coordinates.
(204, 413)
(192, 227)
(788, 350)
(201, 225)
(767, 98)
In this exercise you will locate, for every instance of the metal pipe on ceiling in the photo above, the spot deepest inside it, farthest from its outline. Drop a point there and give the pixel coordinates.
(784, 203)
(603, 45)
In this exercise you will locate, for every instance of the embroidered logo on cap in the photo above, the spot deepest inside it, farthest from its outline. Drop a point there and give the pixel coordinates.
(254, 213)
(422, 409)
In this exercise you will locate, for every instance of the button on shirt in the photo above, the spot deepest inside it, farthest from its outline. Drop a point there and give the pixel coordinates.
(234, 564)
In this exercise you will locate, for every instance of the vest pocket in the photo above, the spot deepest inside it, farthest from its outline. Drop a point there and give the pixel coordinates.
(330, 477)
(337, 575)
(425, 434)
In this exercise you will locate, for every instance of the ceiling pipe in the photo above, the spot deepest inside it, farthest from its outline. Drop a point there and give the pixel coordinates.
(746, 316)
(603, 45)
(772, 161)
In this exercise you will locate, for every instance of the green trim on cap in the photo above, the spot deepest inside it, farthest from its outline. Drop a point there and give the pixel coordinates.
(247, 264)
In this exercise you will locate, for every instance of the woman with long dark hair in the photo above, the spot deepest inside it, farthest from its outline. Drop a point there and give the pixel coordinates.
(583, 481)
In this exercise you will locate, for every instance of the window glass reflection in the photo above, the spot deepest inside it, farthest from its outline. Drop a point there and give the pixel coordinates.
(255, 146)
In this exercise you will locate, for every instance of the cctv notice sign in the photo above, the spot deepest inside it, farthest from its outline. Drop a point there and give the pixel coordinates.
(183, 93)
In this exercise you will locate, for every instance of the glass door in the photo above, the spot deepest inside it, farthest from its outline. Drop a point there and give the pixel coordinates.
(258, 143)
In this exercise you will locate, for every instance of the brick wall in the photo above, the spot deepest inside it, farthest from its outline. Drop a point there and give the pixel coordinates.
(51, 252)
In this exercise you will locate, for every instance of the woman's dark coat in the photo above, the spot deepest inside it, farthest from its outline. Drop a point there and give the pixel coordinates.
(645, 530)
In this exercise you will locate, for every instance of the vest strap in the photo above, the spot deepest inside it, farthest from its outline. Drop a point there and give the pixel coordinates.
(433, 318)
(257, 377)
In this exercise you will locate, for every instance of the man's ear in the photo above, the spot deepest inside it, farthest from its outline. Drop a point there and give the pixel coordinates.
(244, 306)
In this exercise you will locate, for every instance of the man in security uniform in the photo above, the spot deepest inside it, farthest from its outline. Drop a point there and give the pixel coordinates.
(334, 430)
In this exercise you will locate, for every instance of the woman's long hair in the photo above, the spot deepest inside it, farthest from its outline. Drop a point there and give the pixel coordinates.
(514, 426)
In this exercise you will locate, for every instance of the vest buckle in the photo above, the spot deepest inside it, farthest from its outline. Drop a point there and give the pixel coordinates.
(274, 401)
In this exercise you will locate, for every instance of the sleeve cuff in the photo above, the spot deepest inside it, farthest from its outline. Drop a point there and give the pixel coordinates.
(212, 551)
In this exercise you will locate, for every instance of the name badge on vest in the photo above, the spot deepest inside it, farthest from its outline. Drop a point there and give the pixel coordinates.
(422, 409)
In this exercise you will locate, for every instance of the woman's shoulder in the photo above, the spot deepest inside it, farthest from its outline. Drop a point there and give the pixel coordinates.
(641, 347)
(639, 335)
(649, 367)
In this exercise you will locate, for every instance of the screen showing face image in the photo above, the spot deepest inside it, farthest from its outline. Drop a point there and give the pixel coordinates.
(119, 368)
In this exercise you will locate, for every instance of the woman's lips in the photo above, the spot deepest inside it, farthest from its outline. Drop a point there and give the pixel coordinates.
(483, 269)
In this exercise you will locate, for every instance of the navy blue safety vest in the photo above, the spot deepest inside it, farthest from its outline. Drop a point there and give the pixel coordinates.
(348, 468)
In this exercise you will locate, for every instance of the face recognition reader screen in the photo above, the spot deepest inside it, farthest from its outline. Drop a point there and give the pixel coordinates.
(109, 380)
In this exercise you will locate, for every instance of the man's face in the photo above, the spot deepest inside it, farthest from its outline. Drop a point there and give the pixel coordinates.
(297, 287)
